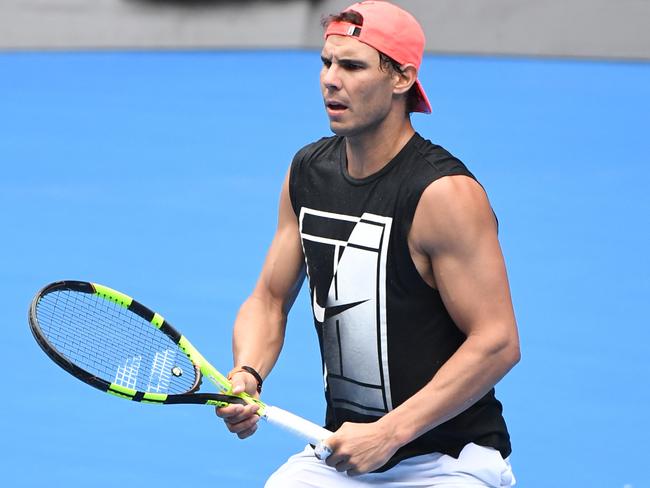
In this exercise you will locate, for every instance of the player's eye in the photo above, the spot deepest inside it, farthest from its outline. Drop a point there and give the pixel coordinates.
(351, 66)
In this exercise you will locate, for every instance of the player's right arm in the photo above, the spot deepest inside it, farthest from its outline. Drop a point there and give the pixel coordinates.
(260, 324)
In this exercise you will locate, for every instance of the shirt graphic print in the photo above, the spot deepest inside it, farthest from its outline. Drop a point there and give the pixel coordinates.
(346, 265)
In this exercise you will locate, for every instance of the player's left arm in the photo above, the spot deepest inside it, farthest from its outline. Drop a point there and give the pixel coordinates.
(454, 233)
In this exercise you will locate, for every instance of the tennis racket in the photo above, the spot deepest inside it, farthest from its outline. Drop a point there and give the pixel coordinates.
(114, 343)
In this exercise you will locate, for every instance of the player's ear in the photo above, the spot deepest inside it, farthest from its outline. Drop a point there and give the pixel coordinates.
(405, 80)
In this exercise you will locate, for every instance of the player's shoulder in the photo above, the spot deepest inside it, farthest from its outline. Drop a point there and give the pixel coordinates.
(438, 159)
(323, 147)
(456, 201)
(451, 187)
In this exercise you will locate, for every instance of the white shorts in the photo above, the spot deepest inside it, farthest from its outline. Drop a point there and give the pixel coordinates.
(476, 466)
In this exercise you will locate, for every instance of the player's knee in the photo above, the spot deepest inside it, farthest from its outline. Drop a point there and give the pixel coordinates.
(281, 480)
(292, 476)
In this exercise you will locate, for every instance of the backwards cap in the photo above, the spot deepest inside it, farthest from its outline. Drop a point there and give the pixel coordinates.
(390, 30)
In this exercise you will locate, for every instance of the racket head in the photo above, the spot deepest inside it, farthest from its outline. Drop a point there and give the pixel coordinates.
(115, 344)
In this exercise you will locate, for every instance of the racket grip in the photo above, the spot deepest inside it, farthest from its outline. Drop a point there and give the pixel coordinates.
(296, 425)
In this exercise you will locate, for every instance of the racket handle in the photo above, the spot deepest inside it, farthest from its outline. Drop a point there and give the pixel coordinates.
(300, 427)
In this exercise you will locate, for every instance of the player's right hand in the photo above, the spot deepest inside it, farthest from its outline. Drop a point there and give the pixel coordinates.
(241, 419)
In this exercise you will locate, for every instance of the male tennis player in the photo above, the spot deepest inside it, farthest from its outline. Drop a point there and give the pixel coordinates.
(408, 285)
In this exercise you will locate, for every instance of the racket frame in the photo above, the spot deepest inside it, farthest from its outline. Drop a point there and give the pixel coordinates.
(299, 426)
(202, 367)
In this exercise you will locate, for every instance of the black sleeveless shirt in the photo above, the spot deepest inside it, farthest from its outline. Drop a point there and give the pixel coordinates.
(383, 332)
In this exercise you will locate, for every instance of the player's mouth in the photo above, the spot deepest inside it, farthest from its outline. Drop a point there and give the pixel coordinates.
(335, 107)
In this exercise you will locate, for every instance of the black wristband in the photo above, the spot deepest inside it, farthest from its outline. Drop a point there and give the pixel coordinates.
(252, 372)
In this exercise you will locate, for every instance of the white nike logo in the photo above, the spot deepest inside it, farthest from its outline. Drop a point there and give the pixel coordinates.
(323, 313)
(319, 312)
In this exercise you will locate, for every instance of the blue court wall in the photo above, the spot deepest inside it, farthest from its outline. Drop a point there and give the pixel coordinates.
(158, 174)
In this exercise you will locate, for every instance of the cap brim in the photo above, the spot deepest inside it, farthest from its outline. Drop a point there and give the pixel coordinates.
(423, 104)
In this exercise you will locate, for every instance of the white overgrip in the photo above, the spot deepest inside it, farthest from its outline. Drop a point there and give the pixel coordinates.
(300, 427)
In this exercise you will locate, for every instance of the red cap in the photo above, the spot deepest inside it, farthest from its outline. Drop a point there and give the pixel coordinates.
(390, 30)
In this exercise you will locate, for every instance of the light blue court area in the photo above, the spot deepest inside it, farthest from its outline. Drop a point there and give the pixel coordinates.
(158, 174)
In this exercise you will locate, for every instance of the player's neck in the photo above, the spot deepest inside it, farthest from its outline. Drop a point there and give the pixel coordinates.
(369, 153)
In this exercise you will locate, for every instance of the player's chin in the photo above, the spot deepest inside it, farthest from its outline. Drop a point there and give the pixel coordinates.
(342, 129)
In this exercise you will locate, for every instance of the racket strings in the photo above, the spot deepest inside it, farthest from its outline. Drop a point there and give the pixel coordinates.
(113, 343)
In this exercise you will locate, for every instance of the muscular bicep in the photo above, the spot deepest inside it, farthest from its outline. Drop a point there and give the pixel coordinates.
(455, 231)
(260, 325)
(283, 270)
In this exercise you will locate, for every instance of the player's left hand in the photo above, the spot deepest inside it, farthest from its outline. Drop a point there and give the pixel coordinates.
(360, 448)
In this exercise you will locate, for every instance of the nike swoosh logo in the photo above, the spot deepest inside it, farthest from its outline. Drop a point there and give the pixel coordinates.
(323, 313)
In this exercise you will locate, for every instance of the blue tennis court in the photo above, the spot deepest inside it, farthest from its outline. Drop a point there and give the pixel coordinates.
(158, 174)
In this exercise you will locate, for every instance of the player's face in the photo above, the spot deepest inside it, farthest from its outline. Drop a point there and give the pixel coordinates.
(358, 94)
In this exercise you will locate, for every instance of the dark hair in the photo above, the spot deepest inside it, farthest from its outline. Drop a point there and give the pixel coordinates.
(349, 16)
(386, 63)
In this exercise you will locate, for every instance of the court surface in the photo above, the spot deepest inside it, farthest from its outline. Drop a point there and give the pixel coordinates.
(158, 174)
